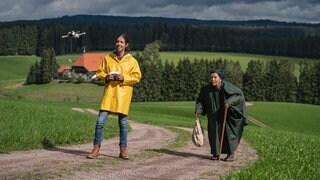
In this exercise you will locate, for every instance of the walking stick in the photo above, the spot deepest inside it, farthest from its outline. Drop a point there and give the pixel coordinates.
(223, 127)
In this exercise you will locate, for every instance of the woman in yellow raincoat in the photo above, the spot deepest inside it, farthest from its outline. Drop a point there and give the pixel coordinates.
(120, 71)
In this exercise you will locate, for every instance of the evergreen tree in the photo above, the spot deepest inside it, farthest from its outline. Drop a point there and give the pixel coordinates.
(274, 84)
(31, 78)
(316, 83)
(183, 82)
(53, 64)
(27, 39)
(220, 64)
(283, 83)
(169, 82)
(45, 70)
(200, 74)
(305, 91)
(152, 75)
(193, 81)
(38, 73)
(254, 81)
(289, 80)
(138, 91)
(43, 40)
(233, 72)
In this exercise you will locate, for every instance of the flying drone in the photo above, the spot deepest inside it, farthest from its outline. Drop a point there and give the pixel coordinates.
(73, 34)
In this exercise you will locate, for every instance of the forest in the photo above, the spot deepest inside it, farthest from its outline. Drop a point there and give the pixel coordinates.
(30, 38)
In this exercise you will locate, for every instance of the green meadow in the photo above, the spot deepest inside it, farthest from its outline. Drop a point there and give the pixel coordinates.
(299, 118)
(40, 116)
(15, 67)
(284, 152)
(241, 57)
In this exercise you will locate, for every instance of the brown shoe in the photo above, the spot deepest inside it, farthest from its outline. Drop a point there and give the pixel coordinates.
(229, 158)
(123, 153)
(95, 152)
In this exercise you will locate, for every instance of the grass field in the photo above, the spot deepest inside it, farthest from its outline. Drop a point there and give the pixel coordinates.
(32, 124)
(286, 153)
(84, 92)
(282, 155)
(299, 118)
(40, 115)
(15, 67)
(243, 59)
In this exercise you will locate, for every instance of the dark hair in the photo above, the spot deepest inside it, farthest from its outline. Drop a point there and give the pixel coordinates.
(126, 39)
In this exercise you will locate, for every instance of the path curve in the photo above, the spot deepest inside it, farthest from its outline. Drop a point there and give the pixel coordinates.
(191, 162)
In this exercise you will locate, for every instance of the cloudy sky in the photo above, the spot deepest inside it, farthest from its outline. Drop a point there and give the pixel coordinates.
(281, 10)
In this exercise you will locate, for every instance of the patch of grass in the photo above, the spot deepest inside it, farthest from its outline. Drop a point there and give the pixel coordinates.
(282, 155)
(67, 59)
(164, 113)
(28, 125)
(243, 58)
(59, 92)
(15, 67)
(293, 117)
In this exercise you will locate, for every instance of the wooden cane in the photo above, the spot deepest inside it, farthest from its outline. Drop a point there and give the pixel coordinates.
(222, 132)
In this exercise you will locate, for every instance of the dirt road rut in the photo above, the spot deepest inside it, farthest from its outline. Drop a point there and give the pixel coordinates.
(70, 162)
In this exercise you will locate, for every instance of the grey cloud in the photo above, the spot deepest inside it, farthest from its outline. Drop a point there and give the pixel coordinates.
(283, 10)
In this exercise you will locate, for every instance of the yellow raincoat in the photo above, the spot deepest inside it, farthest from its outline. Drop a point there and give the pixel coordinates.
(117, 95)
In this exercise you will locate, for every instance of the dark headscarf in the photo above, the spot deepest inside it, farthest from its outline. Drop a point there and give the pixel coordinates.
(219, 72)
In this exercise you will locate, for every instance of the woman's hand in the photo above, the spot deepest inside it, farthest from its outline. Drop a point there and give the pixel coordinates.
(226, 105)
(110, 77)
(119, 77)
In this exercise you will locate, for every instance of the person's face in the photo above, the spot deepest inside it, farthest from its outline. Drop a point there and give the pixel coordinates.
(215, 80)
(121, 44)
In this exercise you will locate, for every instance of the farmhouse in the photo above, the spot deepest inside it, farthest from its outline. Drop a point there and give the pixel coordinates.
(86, 65)
(88, 62)
(63, 71)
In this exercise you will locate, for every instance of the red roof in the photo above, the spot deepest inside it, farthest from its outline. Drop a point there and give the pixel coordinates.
(90, 61)
(63, 68)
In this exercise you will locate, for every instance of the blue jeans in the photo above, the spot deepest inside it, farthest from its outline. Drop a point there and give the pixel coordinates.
(123, 126)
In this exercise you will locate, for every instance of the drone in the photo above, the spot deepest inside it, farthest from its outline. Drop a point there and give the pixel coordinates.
(73, 34)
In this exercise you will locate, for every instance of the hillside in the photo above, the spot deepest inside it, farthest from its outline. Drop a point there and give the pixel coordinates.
(176, 34)
(80, 19)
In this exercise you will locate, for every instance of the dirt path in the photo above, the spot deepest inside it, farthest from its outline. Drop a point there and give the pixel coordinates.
(69, 162)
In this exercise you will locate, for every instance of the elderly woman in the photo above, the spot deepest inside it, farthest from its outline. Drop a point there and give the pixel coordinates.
(212, 101)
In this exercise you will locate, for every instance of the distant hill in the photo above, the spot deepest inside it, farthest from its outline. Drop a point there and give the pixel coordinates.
(27, 37)
(79, 19)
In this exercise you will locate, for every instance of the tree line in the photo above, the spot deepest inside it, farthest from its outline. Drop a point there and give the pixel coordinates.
(262, 81)
(272, 80)
(32, 38)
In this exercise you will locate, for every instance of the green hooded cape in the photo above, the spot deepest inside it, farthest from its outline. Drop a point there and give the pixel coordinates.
(211, 102)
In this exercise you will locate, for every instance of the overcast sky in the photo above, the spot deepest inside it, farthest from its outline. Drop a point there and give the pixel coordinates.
(281, 10)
